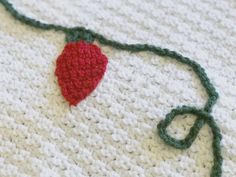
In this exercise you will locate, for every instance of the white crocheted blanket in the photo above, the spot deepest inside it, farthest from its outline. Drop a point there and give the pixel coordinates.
(113, 131)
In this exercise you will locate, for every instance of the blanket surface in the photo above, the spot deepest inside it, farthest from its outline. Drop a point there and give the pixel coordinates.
(113, 131)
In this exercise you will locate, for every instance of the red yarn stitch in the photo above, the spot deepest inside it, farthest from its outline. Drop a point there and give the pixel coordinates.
(79, 69)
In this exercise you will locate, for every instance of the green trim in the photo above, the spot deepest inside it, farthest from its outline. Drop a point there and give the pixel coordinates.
(76, 35)
(203, 115)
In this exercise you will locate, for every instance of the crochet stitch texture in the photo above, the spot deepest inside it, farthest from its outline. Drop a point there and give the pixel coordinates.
(184, 109)
(79, 69)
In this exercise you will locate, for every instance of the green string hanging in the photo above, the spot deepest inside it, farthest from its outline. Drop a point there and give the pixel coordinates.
(203, 115)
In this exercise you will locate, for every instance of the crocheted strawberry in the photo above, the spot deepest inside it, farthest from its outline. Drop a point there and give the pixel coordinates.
(79, 69)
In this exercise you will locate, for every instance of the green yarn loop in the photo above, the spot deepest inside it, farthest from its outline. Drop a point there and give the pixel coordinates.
(203, 115)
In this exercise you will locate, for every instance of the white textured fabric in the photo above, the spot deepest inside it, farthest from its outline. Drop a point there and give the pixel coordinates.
(113, 131)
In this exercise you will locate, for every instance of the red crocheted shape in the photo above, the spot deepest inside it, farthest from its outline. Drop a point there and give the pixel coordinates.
(79, 69)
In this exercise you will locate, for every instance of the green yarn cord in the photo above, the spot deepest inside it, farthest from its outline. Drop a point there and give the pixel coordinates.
(203, 115)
